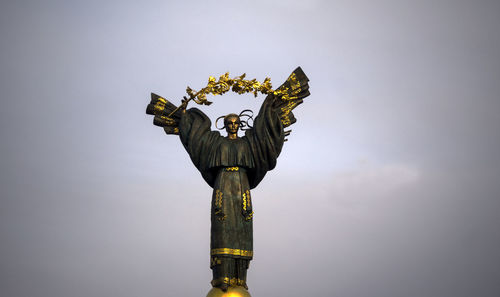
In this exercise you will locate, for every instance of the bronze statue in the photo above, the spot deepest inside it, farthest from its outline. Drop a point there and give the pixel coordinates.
(233, 165)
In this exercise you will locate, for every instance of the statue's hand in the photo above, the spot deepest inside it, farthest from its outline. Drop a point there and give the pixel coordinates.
(184, 103)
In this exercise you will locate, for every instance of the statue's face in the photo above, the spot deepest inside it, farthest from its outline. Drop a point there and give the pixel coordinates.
(232, 125)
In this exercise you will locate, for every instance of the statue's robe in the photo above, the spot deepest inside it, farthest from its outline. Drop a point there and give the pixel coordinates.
(232, 167)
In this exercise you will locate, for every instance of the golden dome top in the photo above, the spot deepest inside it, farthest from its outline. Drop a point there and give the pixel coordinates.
(231, 292)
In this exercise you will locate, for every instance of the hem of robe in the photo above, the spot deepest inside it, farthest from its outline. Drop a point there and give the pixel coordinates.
(233, 253)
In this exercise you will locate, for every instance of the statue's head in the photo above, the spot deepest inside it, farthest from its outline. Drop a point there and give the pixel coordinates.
(233, 122)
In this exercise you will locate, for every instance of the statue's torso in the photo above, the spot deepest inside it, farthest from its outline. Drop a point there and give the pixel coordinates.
(231, 152)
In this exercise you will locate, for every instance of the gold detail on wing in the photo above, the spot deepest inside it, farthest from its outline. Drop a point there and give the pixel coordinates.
(289, 93)
(285, 119)
(168, 121)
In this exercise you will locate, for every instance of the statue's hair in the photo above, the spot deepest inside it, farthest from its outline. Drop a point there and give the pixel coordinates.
(244, 125)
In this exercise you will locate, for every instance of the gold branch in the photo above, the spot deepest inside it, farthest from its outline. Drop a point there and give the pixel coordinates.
(238, 85)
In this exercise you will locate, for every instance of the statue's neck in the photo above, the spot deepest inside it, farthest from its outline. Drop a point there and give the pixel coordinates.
(232, 136)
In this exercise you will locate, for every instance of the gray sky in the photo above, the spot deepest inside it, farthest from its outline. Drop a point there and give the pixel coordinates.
(389, 185)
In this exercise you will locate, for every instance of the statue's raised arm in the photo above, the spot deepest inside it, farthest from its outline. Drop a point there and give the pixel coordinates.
(268, 134)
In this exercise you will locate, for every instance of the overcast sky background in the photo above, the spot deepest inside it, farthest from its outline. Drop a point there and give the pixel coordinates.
(389, 185)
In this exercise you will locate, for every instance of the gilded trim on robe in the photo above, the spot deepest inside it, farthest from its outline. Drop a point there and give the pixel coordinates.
(230, 281)
(246, 200)
(218, 199)
(218, 206)
(214, 261)
(247, 205)
(232, 168)
(232, 252)
(249, 217)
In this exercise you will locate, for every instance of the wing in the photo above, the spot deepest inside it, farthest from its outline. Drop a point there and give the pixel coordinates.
(161, 109)
(289, 95)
